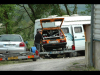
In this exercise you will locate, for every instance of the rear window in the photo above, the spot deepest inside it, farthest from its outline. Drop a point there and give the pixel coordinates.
(78, 29)
(49, 33)
(52, 34)
(65, 30)
(10, 38)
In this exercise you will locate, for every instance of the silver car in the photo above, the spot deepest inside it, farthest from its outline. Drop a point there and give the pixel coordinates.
(12, 43)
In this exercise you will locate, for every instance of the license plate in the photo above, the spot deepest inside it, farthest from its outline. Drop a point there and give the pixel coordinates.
(54, 52)
(31, 56)
(11, 58)
(11, 45)
(53, 41)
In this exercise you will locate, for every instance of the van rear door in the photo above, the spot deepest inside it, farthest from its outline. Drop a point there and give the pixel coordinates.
(79, 38)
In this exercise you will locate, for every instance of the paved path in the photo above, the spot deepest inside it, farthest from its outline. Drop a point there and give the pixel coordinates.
(42, 65)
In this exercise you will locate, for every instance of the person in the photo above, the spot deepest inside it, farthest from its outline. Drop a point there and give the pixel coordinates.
(38, 38)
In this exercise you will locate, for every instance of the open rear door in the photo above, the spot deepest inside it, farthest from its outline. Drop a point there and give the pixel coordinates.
(79, 37)
(48, 21)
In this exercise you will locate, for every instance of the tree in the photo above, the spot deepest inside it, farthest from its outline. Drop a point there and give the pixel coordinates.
(67, 10)
(6, 16)
(87, 11)
(75, 9)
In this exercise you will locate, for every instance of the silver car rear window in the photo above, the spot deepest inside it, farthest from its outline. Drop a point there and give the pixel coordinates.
(10, 38)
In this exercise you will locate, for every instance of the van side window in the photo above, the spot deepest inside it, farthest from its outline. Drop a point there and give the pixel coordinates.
(65, 30)
(78, 29)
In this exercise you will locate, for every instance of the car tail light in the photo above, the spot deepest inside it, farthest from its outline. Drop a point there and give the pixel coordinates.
(44, 42)
(62, 41)
(0, 59)
(73, 47)
(45, 36)
(36, 52)
(22, 44)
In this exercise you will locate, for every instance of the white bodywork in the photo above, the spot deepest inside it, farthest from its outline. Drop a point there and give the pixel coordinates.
(70, 23)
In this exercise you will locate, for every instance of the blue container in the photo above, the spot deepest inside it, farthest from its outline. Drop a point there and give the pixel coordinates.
(33, 49)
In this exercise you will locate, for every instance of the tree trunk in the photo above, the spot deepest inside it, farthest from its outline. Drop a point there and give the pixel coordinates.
(32, 10)
(6, 17)
(67, 9)
(59, 10)
(75, 9)
(28, 14)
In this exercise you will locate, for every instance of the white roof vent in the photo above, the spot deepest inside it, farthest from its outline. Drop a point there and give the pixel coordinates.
(51, 16)
(65, 15)
(75, 15)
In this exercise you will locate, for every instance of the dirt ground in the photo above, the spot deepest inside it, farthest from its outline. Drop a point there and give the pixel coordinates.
(77, 65)
(80, 66)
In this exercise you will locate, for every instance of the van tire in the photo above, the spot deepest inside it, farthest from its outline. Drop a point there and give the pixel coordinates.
(70, 54)
(74, 54)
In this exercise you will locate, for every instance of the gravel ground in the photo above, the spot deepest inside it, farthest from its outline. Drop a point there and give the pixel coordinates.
(57, 64)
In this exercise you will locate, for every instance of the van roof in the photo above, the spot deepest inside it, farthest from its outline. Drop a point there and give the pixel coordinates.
(70, 18)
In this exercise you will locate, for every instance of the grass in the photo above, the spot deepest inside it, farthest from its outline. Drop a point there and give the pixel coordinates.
(14, 62)
(75, 63)
(81, 67)
(90, 69)
(31, 43)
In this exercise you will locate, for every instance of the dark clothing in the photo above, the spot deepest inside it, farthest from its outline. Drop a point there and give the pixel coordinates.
(37, 45)
(38, 37)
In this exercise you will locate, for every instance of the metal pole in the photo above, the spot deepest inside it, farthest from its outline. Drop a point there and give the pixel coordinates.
(91, 43)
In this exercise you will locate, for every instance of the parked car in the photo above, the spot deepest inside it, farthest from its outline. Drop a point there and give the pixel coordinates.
(12, 43)
(53, 37)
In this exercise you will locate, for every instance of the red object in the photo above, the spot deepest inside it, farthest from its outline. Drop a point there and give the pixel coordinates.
(22, 44)
(62, 41)
(36, 52)
(45, 36)
(44, 42)
(61, 34)
(0, 59)
(31, 56)
(73, 47)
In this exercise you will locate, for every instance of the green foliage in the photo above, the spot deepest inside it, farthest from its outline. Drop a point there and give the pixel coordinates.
(6, 16)
(87, 11)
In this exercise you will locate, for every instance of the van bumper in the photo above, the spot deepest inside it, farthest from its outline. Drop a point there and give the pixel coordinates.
(54, 45)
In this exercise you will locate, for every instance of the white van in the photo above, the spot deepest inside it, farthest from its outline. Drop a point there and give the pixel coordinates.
(74, 28)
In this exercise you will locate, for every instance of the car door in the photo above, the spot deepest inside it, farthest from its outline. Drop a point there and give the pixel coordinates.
(68, 33)
(79, 38)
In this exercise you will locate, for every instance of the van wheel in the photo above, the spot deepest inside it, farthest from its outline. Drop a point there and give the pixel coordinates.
(70, 55)
(74, 54)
